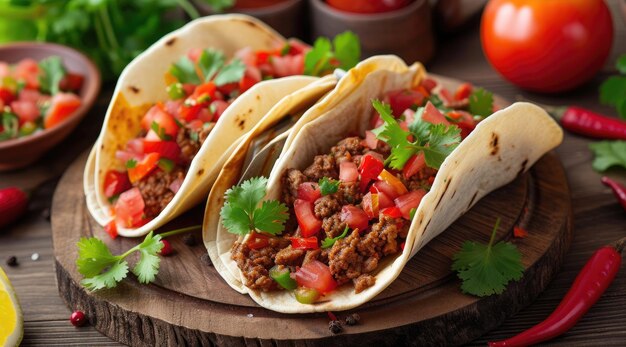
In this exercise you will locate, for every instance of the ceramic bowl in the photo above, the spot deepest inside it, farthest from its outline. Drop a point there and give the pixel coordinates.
(22, 151)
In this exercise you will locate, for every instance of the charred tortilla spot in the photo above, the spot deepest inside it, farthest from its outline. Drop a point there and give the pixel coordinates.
(200, 172)
(241, 124)
(170, 41)
(523, 168)
(102, 147)
(258, 97)
(472, 200)
(250, 110)
(134, 89)
(444, 192)
(494, 144)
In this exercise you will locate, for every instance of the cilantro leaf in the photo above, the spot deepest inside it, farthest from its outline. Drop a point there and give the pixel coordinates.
(93, 257)
(487, 269)
(230, 73)
(347, 49)
(621, 64)
(394, 136)
(210, 62)
(481, 102)
(328, 186)
(437, 102)
(613, 93)
(608, 154)
(220, 5)
(131, 163)
(52, 72)
(317, 58)
(108, 279)
(270, 217)
(185, 71)
(329, 242)
(442, 140)
(160, 131)
(240, 214)
(147, 267)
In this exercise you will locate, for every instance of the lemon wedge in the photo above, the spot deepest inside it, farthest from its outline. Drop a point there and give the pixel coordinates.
(12, 327)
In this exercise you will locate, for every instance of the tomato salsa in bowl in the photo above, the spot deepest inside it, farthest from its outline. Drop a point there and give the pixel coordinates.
(45, 90)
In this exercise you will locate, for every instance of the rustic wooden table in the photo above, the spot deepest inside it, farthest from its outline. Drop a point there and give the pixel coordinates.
(598, 219)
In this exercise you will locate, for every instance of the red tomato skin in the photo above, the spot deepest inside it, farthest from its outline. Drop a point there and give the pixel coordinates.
(144, 167)
(409, 201)
(403, 99)
(309, 224)
(26, 111)
(547, 46)
(257, 241)
(166, 149)
(111, 229)
(62, 106)
(348, 172)
(368, 6)
(6, 96)
(115, 182)
(414, 165)
(304, 243)
(316, 275)
(309, 191)
(129, 208)
(433, 115)
(354, 217)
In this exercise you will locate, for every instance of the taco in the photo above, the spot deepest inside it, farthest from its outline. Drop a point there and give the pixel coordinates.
(380, 166)
(178, 110)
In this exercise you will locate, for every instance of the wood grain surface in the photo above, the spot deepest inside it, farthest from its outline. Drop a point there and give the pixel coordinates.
(598, 219)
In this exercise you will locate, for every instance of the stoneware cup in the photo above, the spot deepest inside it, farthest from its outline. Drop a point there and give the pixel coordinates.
(406, 32)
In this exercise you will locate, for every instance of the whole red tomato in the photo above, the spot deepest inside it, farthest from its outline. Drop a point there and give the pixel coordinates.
(547, 46)
(368, 6)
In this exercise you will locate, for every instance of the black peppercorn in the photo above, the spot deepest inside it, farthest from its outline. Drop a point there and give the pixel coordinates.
(190, 240)
(335, 326)
(12, 261)
(353, 319)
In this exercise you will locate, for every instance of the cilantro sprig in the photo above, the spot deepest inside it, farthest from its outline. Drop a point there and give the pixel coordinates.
(52, 72)
(212, 65)
(481, 102)
(241, 213)
(487, 269)
(344, 52)
(613, 90)
(329, 242)
(436, 141)
(101, 269)
(608, 154)
(328, 186)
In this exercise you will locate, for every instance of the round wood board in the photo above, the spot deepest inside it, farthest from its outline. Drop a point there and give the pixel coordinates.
(189, 304)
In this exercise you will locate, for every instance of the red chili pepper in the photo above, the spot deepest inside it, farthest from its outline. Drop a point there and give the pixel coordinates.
(589, 285)
(588, 123)
(618, 189)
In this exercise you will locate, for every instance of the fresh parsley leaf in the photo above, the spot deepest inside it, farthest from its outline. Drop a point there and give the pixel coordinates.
(328, 186)
(52, 72)
(481, 102)
(185, 71)
(329, 242)
(347, 49)
(487, 269)
(230, 73)
(160, 131)
(240, 214)
(131, 163)
(608, 154)
(210, 62)
(147, 267)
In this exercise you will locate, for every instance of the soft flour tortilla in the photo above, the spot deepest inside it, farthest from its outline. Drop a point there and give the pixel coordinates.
(501, 147)
(141, 85)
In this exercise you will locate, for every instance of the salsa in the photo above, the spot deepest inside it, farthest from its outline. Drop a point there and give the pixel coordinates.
(352, 207)
(201, 85)
(35, 96)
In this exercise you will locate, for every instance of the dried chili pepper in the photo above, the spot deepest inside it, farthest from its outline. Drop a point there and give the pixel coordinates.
(589, 285)
(618, 189)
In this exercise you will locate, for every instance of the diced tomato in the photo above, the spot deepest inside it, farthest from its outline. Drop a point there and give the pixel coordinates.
(194, 54)
(115, 182)
(297, 47)
(5, 69)
(263, 56)
(195, 124)
(309, 224)
(289, 65)
(403, 99)
(129, 208)
(165, 149)
(147, 119)
(189, 113)
(246, 83)
(376, 121)
(446, 96)
(257, 240)
(26, 111)
(111, 229)
(6, 96)
(30, 95)
(371, 166)
(309, 191)
(304, 242)
(433, 115)
(204, 92)
(384, 200)
(28, 70)
(71, 82)
(384, 187)
(188, 88)
(370, 205)
(428, 84)
(165, 121)
(414, 165)
(392, 212)
(463, 91)
(409, 201)
(62, 105)
(175, 185)
(354, 217)
(218, 107)
(316, 275)
(228, 88)
(463, 120)
(348, 171)
(171, 107)
(247, 55)
(370, 140)
(144, 167)
(125, 156)
(393, 181)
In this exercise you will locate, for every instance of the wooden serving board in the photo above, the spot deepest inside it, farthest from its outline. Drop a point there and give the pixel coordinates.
(189, 304)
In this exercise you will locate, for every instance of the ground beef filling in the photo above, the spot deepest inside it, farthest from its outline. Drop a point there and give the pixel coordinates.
(354, 258)
(155, 190)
